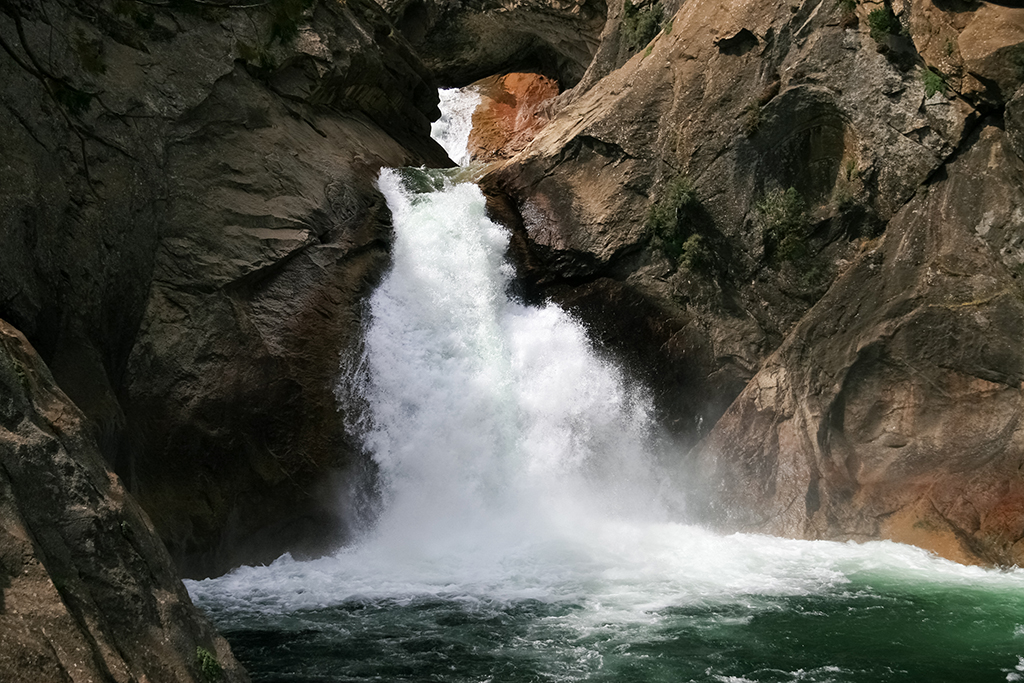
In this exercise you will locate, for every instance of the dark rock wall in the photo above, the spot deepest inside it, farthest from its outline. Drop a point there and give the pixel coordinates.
(462, 42)
(188, 222)
(87, 590)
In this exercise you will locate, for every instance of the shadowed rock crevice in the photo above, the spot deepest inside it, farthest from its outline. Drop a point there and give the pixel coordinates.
(462, 43)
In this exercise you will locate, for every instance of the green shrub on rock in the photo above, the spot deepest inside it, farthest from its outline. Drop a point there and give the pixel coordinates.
(667, 218)
(671, 221)
(209, 667)
(883, 24)
(640, 25)
(285, 16)
(933, 81)
(783, 218)
(695, 255)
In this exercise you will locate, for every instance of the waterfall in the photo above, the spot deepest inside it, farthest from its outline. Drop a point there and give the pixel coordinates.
(486, 411)
(526, 532)
(453, 128)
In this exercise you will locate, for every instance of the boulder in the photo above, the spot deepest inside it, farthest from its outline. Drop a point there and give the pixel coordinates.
(511, 112)
(87, 590)
(977, 47)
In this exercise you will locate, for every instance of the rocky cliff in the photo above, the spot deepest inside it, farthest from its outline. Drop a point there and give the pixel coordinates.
(799, 222)
(732, 210)
(188, 222)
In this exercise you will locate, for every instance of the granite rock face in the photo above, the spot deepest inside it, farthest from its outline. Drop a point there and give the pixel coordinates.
(893, 409)
(513, 109)
(87, 590)
(188, 220)
(739, 101)
(655, 205)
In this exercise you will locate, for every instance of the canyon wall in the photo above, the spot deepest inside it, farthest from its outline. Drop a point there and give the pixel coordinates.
(188, 224)
(732, 212)
(799, 223)
(87, 590)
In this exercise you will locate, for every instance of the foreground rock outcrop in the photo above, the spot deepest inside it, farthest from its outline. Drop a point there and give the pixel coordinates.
(188, 222)
(87, 590)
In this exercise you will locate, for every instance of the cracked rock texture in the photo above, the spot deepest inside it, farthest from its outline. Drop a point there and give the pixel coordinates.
(462, 42)
(512, 109)
(893, 409)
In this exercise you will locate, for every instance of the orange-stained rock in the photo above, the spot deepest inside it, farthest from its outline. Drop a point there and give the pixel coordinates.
(512, 111)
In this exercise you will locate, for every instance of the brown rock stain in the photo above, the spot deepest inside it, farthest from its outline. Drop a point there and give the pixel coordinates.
(511, 113)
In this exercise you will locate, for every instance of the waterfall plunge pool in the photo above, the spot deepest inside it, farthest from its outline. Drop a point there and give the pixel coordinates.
(527, 530)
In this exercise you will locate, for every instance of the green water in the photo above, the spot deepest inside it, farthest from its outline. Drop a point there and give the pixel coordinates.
(866, 629)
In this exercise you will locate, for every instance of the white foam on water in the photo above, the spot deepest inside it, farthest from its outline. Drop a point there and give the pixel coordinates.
(517, 464)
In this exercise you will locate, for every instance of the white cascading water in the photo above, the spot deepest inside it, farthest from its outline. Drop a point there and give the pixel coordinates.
(453, 128)
(516, 464)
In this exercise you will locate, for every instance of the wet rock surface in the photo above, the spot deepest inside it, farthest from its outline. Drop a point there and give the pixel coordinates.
(727, 107)
(807, 103)
(893, 408)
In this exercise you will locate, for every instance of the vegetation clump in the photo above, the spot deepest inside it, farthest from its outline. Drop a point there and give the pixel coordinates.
(847, 12)
(695, 255)
(640, 24)
(883, 23)
(783, 218)
(933, 81)
(670, 221)
(285, 16)
(209, 667)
